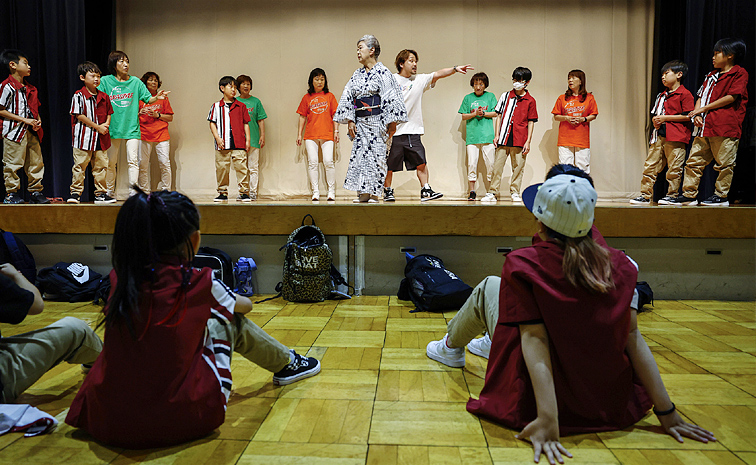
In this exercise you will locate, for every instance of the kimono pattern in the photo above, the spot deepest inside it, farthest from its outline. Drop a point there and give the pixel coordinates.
(367, 164)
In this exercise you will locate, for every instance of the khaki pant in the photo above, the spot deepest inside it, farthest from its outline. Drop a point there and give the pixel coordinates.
(251, 342)
(518, 163)
(99, 160)
(472, 160)
(223, 159)
(163, 150)
(576, 156)
(26, 154)
(26, 357)
(722, 150)
(661, 153)
(253, 165)
(480, 313)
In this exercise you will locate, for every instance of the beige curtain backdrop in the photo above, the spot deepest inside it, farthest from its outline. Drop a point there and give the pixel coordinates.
(192, 43)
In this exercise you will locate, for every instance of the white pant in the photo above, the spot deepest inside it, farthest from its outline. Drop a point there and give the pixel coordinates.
(132, 158)
(253, 163)
(312, 163)
(472, 160)
(576, 156)
(164, 162)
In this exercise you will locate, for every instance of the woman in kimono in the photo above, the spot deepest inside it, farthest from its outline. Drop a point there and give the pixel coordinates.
(371, 105)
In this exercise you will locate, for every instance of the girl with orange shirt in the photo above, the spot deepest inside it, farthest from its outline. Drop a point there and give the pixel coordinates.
(317, 108)
(575, 110)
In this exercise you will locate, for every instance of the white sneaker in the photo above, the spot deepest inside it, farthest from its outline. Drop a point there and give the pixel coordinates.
(480, 346)
(331, 196)
(516, 198)
(489, 198)
(316, 196)
(438, 351)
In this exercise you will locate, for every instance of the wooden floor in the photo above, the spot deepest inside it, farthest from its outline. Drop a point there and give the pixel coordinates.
(380, 400)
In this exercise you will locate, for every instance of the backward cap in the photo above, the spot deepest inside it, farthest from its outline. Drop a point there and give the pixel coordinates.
(564, 203)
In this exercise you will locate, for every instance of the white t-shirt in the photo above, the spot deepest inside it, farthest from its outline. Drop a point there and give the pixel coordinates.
(412, 90)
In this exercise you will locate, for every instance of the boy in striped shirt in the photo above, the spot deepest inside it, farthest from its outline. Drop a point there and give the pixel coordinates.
(229, 125)
(90, 120)
(22, 130)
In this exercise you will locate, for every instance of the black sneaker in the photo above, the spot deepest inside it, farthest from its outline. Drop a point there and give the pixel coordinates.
(716, 201)
(104, 198)
(300, 368)
(388, 194)
(640, 201)
(666, 200)
(221, 198)
(13, 198)
(243, 198)
(75, 198)
(39, 198)
(426, 193)
(682, 200)
(472, 196)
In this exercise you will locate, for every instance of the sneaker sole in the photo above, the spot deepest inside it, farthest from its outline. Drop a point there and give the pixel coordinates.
(445, 361)
(389, 200)
(432, 197)
(104, 202)
(292, 379)
(723, 204)
(72, 201)
(220, 200)
(639, 204)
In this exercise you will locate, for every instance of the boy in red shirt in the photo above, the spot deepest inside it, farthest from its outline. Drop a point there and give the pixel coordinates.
(670, 135)
(718, 119)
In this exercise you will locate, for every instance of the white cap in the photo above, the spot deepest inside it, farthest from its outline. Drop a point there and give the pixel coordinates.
(564, 203)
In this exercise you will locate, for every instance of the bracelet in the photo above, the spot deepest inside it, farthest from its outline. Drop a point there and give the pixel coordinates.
(664, 412)
(455, 69)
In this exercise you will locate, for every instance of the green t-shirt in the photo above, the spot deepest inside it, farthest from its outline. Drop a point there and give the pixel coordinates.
(256, 113)
(124, 98)
(480, 130)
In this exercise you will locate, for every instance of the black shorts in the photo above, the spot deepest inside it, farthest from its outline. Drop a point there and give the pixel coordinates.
(406, 148)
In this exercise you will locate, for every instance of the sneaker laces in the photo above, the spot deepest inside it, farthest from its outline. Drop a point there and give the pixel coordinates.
(299, 361)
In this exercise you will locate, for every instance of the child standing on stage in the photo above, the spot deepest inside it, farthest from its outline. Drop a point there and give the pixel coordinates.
(228, 123)
(516, 115)
(90, 120)
(670, 135)
(575, 110)
(164, 374)
(257, 118)
(153, 124)
(477, 112)
(718, 119)
(317, 109)
(22, 130)
(124, 92)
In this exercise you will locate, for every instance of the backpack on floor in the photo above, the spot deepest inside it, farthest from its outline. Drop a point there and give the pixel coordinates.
(243, 276)
(15, 252)
(430, 286)
(307, 265)
(68, 282)
(645, 295)
(219, 261)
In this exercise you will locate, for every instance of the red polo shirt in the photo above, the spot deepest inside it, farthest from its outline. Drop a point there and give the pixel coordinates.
(596, 388)
(678, 102)
(230, 121)
(85, 137)
(727, 121)
(524, 112)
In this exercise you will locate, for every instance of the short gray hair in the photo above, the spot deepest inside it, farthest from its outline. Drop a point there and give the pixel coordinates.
(371, 42)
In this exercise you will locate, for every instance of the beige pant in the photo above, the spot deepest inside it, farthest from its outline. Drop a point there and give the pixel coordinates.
(253, 166)
(473, 151)
(132, 159)
(723, 151)
(312, 164)
(661, 153)
(99, 161)
(251, 342)
(26, 154)
(162, 149)
(26, 357)
(480, 313)
(518, 163)
(576, 156)
(223, 160)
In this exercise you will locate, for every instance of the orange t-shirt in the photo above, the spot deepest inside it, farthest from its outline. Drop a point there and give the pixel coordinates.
(580, 135)
(153, 129)
(318, 108)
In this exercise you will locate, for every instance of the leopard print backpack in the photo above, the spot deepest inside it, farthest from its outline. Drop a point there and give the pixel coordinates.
(307, 265)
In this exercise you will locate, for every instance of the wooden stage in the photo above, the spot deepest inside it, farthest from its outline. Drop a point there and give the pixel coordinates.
(402, 218)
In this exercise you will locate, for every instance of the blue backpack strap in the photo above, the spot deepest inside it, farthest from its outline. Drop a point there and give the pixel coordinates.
(13, 249)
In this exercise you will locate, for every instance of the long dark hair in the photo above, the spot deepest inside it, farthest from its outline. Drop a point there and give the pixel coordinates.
(147, 226)
(313, 74)
(582, 93)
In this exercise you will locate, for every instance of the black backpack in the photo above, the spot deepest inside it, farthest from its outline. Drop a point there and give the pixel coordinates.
(15, 252)
(430, 286)
(307, 265)
(68, 282)
(219, 261)
(645, 295)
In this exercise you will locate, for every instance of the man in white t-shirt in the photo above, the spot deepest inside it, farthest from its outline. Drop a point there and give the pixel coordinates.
(406, 147)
